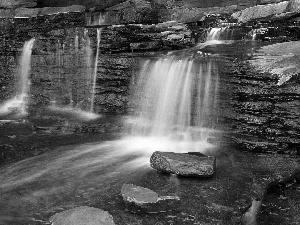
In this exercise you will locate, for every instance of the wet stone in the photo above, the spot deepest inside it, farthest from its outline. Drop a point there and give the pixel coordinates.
(143, 200)
(82, 216)
(191, 164)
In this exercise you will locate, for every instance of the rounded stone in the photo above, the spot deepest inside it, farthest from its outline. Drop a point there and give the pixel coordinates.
(82, 216)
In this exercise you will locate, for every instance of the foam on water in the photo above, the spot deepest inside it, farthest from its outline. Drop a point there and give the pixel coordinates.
(15, 105)
(79, 113)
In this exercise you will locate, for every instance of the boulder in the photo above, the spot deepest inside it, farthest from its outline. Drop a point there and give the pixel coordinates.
(192, 164)
(260, 11)
(140, 199)
(83, 215)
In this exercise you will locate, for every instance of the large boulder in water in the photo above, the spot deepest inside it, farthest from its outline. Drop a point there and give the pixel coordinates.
(82, 216)
(140, 199)
(192, 164)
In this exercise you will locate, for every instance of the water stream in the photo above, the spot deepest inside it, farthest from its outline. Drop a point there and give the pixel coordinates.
(95, 69)
(18, 104)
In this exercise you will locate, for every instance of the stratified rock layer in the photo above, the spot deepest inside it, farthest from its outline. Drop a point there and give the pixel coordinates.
(139, 199)
(260, 11)
(183, 164)
(82, 216)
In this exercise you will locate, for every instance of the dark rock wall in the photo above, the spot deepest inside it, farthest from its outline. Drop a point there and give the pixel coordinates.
(263, 116)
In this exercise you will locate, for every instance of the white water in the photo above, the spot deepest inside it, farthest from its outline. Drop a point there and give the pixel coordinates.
(214, 37)
(88, 57)
(95, 69)
(75, 112)
(214, 34)
(19, 102)
(177, 103)
(177, 113)
(96, 18)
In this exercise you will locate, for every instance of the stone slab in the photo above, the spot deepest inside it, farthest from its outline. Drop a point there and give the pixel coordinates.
(197, 165)
(143, 200)
(83, 215)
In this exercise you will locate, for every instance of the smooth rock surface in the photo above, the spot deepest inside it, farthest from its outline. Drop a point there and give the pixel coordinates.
(183, 164)
(82, 216)
(140, 199)
(260, 11)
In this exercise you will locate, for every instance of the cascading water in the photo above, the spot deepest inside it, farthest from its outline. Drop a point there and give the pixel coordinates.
(74, 94)
(96, 18)
(19, 102)
(95, 69)
(178, 103)
(214, 34)
(88, 56)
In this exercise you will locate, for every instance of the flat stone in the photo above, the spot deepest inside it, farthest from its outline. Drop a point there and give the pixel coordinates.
(140, 199)
(26, 12)
(175, 37)
(56, 10)
(83, 215)
(192, 164)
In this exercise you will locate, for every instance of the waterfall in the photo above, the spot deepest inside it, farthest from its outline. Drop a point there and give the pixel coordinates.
(96, 18)
(177, 100)
(214, 34)
(88, 56)
(24, 67)
(95, 69)
(19, 102)
(76, 44)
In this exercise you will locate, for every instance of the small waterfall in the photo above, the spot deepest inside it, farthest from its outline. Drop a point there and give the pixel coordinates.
(24, 67)
(19, 102)
(76, 43)
(88, 56)
(177, 101)
(96, 18)
(214, 34)
(95, 69)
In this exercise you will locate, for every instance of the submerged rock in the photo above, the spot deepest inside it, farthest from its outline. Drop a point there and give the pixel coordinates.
(82, 216)
(140, 199)
(191, 164)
